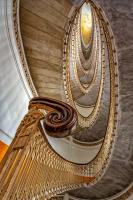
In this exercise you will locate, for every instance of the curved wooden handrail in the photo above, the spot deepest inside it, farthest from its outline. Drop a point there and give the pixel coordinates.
(61, 119)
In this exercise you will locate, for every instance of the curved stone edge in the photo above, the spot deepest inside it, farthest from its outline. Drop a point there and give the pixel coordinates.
(23, 68)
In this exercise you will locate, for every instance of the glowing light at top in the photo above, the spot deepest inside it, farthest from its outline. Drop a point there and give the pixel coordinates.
(86, 23)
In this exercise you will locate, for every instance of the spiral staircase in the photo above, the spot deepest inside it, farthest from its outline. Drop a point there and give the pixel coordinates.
(66, 100)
